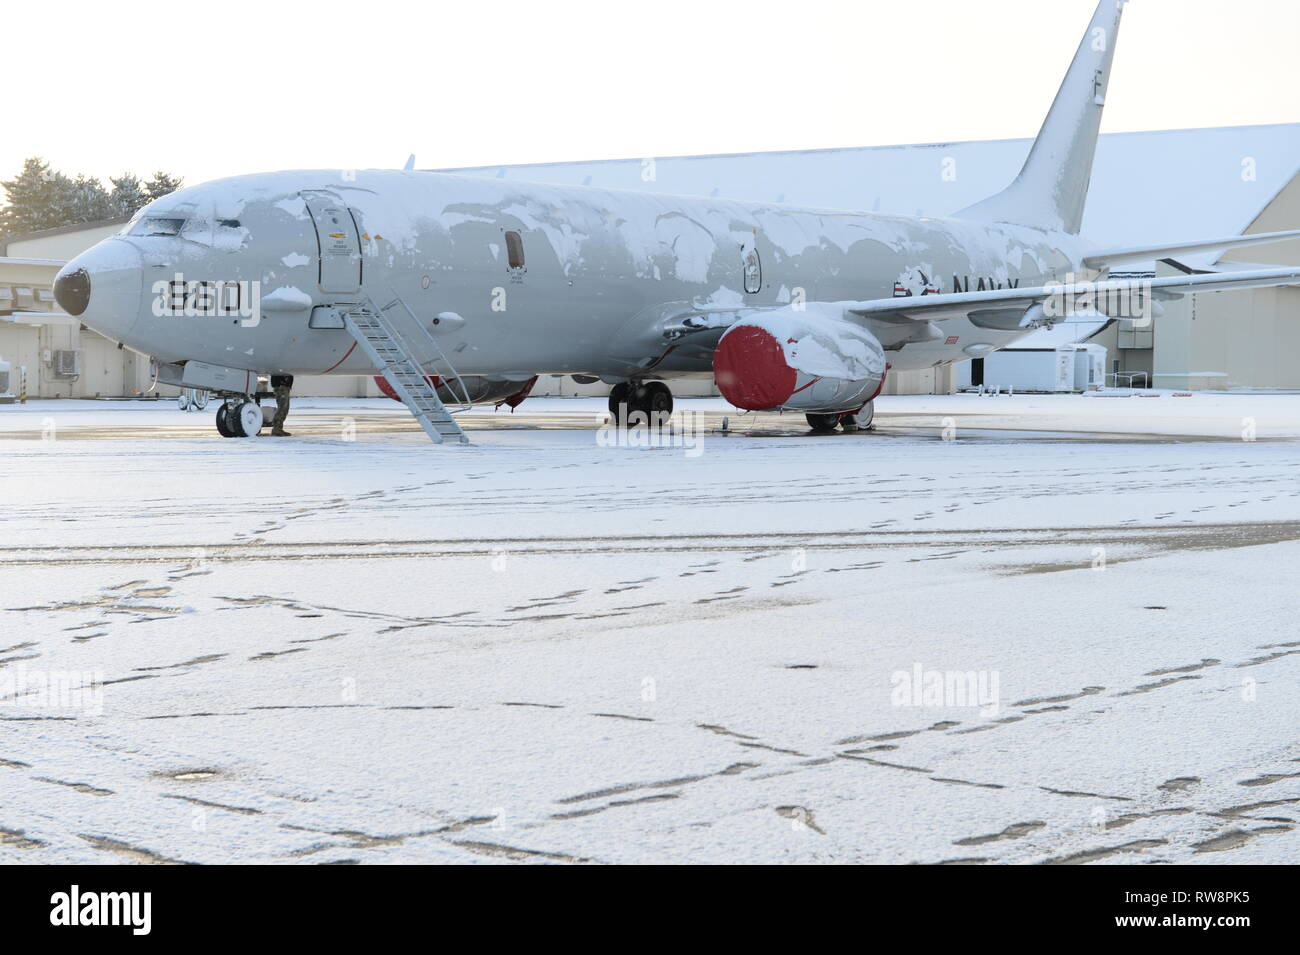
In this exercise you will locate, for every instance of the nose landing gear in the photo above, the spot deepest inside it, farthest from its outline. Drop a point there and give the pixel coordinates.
(223, 428)
(239, 418)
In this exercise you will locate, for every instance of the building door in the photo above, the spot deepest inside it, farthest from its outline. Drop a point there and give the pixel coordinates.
(340, 245)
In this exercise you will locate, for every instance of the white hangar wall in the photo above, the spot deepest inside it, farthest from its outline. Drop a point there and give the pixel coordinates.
(1224, 340)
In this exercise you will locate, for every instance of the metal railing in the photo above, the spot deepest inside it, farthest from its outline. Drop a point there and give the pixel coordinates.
(390, 327)
(1129, 377)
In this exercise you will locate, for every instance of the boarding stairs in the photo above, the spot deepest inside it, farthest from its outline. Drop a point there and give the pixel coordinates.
(387, 333)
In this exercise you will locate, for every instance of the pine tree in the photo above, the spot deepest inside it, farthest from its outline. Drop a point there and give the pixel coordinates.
(128, 194)
(85, 200)
(40, 198)
(34, 199)
(161, 184)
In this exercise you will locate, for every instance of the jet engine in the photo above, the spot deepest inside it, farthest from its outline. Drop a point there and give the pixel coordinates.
(481, 391)
(809, 360)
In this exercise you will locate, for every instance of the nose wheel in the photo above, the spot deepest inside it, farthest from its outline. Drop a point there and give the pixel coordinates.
(239, 419)
(223, 428)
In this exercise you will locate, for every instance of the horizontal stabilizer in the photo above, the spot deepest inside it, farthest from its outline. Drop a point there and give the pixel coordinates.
(1106, 258)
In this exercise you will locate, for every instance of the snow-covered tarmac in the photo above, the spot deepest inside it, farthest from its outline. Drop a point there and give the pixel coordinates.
(544, 648)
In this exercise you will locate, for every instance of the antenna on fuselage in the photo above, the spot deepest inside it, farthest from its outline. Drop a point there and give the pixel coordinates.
(410, 163)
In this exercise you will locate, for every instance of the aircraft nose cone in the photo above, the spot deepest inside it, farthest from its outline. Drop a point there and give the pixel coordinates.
(72, 291)
(102, 287)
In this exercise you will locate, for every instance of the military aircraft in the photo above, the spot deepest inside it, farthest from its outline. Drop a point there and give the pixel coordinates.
(457, 289)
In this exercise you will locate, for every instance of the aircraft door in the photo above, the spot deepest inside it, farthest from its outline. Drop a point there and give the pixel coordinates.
(751, 264)
(340, 245)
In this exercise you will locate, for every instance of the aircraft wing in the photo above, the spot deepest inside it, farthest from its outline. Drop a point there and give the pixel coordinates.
(1105, 258)
(940, 306)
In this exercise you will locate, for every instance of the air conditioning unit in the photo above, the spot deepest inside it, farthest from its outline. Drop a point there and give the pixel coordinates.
(67, 363)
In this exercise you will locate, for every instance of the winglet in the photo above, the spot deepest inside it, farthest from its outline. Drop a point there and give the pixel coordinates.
(410, 163)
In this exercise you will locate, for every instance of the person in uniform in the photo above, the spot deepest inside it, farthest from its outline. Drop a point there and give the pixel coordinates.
(281, 385)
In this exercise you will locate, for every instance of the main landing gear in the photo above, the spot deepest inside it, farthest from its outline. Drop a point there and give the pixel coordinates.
(849, 421)
(652, 399)
(239, 417)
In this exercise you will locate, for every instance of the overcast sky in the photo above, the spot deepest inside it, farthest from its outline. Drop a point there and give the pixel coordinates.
(213, 89)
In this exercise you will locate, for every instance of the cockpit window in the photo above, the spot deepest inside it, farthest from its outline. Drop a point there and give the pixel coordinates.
(228, 223)
(155, 225)
(131, 223)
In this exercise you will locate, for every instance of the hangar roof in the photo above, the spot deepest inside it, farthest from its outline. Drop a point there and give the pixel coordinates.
(19, 238)
(1147, 187)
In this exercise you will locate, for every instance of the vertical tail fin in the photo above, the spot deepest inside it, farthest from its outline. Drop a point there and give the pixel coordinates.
(1051, 189)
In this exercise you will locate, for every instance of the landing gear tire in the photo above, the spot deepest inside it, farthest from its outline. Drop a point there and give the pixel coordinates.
(245, 419)
(866, 415)
(618, 403)
(822, 423)
(654, 399)
(223, 426)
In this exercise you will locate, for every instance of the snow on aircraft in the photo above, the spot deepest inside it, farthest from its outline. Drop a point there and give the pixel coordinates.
(458, 289)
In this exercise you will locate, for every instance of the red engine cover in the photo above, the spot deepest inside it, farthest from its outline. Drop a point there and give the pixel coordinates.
(749, 367)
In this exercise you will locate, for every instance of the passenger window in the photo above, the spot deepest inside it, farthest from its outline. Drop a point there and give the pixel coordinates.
(514, 250)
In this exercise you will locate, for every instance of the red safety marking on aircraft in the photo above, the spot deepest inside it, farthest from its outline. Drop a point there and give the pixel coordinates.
(340, 361)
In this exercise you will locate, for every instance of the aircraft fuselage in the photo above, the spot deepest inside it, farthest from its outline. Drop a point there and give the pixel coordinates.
(530, 278)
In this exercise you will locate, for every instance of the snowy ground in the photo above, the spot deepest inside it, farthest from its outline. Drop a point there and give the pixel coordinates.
(544, 648)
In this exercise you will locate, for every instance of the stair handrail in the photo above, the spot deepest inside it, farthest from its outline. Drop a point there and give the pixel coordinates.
(391, 328)
(403, 372)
